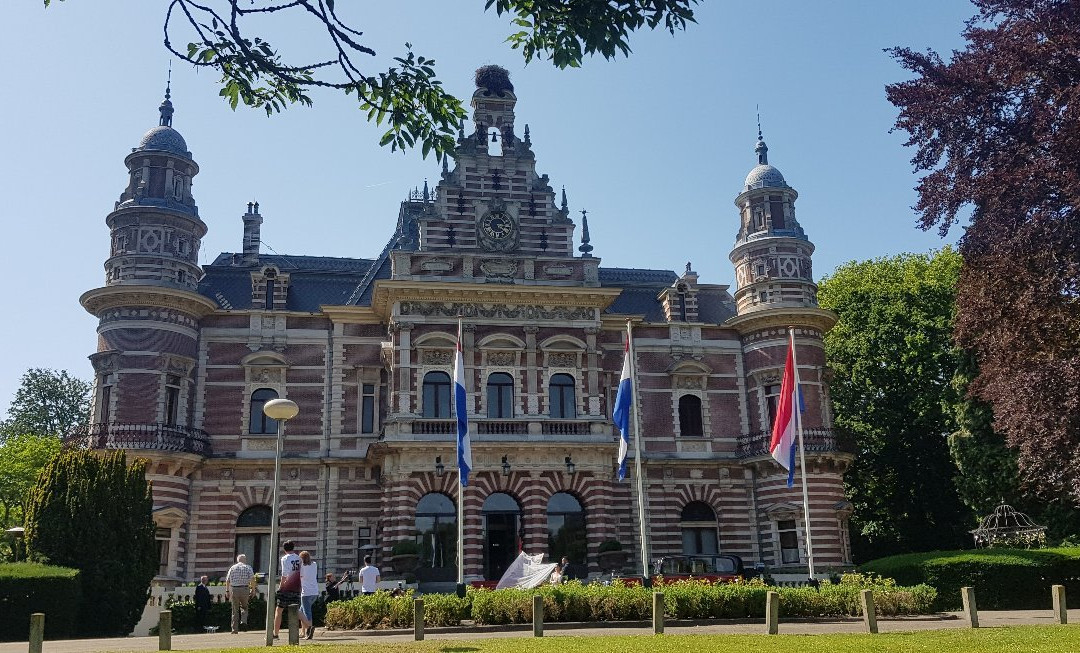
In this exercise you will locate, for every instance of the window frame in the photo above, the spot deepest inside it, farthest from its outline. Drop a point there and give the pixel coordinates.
(438, 405)
(560, 390)
(503, 406)
(696, 422)
(267, 425)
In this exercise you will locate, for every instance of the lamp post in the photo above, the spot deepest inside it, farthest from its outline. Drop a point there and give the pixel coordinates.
(281, 410)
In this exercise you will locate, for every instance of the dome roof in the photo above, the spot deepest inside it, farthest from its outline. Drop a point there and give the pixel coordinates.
(166, 139)
(764, 176)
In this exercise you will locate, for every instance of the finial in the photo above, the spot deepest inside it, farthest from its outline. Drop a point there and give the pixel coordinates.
(564, 208)
(249, 208)
(445, 165)
(166, 108)
(427, 195)
(256, 208)
(757, 107)
(688, 268)
(762, 149)
(585, 247)
(528, 140)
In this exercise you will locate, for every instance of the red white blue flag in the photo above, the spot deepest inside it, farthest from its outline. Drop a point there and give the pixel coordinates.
(624, 400)
(784, 430)
(464, 442)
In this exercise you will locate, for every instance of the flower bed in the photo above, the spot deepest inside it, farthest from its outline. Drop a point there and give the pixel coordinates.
(618, 602)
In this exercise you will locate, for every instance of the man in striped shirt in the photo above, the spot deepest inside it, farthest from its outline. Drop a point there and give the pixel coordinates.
(236, 590)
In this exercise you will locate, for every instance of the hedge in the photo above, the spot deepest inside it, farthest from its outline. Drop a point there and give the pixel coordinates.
(184, 621)
(619, 602)
(26, 588)
(1004, 579)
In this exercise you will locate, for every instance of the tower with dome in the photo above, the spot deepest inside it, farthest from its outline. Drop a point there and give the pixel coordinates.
(189, 354)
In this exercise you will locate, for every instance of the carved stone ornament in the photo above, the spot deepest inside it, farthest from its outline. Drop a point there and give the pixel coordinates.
(497, 311)
(177, 365)
(689, 382)
(498, 268)
(502, 358)
(562, 359)
(105, 362)
(558, 270)
(436, 357)
(436, 265)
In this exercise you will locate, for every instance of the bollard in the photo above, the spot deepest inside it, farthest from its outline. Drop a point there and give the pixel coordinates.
(37, 631)
(772, 613)
(538, 615)
(869, 611)
(294, 624)
(970, 611)
(1060, 614)
(164, 630)
(658, 613)
(418, 619)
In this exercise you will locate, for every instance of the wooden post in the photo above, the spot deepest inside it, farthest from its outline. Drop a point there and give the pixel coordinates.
(164, 635)
(658, 613)
(970, 611)
(37, 631)
(1060, 614)
(772, 613)
(869, 612)
(538, 615)
(294, 624)
(418, 619)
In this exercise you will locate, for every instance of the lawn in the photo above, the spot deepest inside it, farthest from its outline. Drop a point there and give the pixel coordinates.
(1021, 639)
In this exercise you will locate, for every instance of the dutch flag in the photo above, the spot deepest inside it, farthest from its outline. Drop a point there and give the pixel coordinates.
(784, 431)
(464, 444)
(621, 414)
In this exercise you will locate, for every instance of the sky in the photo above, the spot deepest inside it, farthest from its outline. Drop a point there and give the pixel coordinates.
(655, 146)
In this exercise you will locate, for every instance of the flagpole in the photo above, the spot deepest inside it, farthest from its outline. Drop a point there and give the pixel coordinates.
(637, 452)
(460, 504)
(797, 406)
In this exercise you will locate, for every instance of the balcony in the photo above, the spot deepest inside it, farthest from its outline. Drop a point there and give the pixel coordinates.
(815, 440)
(528, 428)
(157, 437)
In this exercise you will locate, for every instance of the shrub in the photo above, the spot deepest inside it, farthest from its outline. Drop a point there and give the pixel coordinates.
(609, 545)
(184, 620)
(93, 512)
(1003, 579)
(26, 588)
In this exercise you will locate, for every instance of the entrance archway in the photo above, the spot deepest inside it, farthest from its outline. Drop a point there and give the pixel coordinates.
(502, 537)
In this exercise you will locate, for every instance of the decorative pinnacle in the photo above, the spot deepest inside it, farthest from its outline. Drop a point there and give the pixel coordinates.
(445, 165)
(166, 108)
(564, 208)
(585, 248)
(762, 149)
(427, 195)
(528, 140)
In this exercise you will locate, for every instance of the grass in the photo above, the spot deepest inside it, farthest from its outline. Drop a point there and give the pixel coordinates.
(1019, 639)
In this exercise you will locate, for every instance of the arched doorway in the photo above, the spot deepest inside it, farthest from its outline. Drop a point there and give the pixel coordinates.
(699, 532)
(566, 529)
(253, 537)
(436, 533)
(502, 539)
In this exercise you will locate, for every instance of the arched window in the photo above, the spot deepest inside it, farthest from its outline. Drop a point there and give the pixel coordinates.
(690, 415)
(500, 395)
(253, 537)
(561, 402)
(699, 529)
(566, 528)
(436, 531)
(437, 395)
(259, 422)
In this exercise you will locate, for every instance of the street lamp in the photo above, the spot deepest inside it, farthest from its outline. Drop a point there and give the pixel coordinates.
(281, 410)
(570, 466)
(505, 466)
(440, 468)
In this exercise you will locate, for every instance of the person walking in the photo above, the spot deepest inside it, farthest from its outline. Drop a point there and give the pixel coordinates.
(369, 577)
(237, 582)
(202, 602)
(309, 591)
(288, 592)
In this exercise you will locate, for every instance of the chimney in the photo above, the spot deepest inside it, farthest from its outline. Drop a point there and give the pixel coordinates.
(252, 220)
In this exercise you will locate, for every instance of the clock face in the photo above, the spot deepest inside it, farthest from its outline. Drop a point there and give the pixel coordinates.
(497, 226)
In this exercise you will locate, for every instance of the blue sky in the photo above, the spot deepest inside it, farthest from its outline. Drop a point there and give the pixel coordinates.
(655, 146)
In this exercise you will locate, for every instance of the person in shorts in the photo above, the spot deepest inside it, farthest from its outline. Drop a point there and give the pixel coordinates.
(288, 591)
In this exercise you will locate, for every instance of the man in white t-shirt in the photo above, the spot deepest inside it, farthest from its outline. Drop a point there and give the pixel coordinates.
(289, 589)
(369, 577)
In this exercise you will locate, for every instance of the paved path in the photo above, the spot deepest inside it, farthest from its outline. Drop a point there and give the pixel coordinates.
(987, 618)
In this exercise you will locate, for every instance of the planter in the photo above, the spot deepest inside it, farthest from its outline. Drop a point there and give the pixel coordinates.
(611, 561)
(405, 563)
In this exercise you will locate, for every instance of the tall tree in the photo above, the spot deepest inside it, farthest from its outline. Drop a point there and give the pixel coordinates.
(22, 458)
(93, 513)
(997, 130)
(894, 364)
(47, 403)
(407, 96)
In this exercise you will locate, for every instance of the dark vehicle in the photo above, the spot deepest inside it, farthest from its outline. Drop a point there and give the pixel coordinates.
(721, 568)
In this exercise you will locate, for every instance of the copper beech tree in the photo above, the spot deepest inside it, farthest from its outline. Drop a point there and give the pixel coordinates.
(996, 129)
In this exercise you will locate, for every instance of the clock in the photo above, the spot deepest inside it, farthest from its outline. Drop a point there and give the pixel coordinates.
(498, 231)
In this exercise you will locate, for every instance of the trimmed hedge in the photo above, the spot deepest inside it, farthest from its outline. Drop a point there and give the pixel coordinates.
(26, 588)
(184, 621)
(1004, 579)
(619, 602)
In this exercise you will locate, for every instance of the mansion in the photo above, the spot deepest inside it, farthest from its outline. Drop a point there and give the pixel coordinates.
(187, 356)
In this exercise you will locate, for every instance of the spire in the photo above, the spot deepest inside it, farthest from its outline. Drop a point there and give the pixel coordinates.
(166, 107)
(762, 149)
(585, 248)
(445, 166)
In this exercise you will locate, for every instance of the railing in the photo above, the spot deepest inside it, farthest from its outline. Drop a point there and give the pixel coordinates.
(434, 427)
(565, 427)
(502, 427)
(757, 444)
(492, 426)
(160, 437)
